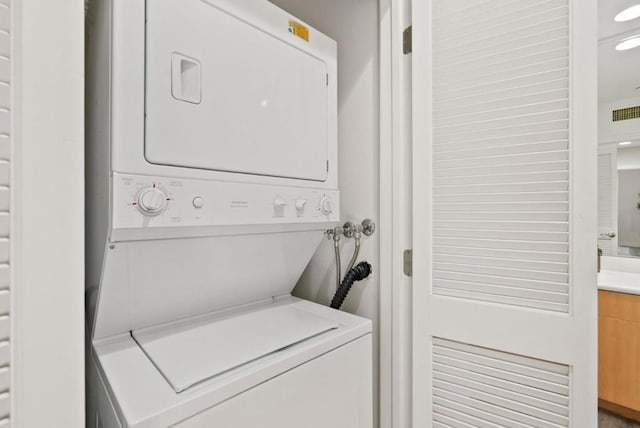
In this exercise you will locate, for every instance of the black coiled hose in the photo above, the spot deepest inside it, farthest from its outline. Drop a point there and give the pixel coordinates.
(358, 273)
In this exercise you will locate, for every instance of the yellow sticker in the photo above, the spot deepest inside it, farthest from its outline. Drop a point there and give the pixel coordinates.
(297, 29)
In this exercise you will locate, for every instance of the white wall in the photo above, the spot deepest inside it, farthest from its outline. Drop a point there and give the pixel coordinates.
(354, 25)
(629, 158)
(48, 231)
(610, 131)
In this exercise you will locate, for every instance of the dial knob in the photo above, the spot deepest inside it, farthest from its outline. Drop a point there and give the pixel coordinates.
(326, 205)
(152, 201)
(300, 203)
(280, 202)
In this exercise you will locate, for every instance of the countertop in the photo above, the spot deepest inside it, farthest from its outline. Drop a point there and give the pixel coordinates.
(620, 274)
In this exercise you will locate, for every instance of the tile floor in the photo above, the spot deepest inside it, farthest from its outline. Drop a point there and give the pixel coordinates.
(609, 420)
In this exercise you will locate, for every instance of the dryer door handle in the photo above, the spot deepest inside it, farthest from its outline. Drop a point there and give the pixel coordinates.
(186, 79)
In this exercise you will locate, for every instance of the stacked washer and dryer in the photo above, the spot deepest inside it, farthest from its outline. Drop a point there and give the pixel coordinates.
(211, 177)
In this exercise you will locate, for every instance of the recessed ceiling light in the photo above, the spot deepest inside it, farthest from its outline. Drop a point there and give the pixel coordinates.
(628, 14)
(625, 143)
(629, 43)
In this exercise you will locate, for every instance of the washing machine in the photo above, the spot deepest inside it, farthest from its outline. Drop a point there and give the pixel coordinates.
(211, 177)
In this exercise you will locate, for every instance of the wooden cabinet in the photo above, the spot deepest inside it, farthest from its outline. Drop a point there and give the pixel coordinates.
(619, 352)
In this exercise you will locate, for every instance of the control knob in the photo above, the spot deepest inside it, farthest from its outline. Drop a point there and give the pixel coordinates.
(152, 201)
(300, 203)
(280, 202)
(326, 205)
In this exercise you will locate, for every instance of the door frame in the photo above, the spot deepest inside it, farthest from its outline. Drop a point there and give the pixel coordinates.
(395, 215)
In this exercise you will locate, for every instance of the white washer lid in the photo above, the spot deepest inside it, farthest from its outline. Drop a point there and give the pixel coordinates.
(188, 354)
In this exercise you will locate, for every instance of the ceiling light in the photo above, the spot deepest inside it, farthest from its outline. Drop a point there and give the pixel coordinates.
(628, 14)
(624, 143)
(629, 43)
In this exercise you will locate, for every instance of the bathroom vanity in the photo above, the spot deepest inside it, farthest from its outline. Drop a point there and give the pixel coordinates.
(619, 336)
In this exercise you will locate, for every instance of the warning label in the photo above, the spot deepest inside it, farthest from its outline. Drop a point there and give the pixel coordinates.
(297, 29)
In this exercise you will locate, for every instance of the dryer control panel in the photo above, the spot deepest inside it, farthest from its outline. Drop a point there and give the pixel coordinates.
(143, 202)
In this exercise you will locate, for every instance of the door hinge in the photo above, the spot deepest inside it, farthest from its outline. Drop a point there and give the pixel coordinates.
(407, 259)
(407, 40)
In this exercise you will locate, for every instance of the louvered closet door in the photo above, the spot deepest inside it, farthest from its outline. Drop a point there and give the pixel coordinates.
(505, 230)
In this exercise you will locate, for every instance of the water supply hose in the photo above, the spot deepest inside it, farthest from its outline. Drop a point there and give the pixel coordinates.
(356, 252)
(358, 273)
(336, 250)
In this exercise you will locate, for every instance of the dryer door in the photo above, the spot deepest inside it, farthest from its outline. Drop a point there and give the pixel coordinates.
(224, 95)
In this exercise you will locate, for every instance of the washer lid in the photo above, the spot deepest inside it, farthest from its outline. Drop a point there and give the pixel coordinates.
(191, 353)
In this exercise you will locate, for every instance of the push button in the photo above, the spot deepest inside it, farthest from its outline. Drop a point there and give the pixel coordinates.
(198, 202)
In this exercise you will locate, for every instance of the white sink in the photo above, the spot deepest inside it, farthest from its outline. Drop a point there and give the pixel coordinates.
(620, 274)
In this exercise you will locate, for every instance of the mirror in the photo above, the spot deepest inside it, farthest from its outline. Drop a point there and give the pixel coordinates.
(619, 133)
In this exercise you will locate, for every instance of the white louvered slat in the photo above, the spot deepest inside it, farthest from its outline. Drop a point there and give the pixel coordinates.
(488, 115)
(501, 152)
(5, 353)
(4, 198)
(503, 254)
(4, 252)
(5, 151)
(5, 379)
(504, 142)
(5, 404)
(511, 159)
(5, 116)
(502, 178)
(5, 94)
(510, 13)
(4, 169)
(4, 224)
(5, 43)
(500, 262)
(5, 71)
(504, 216)
(5, 17)
(510, 36)
(5, 302)
(502, 97)
(489, 280)
(484, 107)
(458, 419)
(4, 276)
(553, 186)
(5, 327)
(503, 225)
(483, 387)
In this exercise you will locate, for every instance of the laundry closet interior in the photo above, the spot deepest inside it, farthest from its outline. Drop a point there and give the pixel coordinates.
(232, 194)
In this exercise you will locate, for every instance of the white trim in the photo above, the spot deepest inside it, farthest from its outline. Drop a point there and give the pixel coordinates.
(584, 211)
(15, 256)
(48, 214)
(385, 218)
(395, 216)
(421, 145)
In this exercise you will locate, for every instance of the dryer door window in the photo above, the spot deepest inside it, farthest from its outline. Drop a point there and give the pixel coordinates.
(224, 95)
